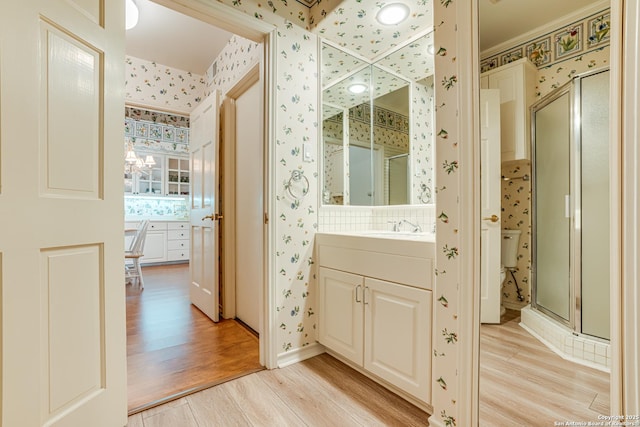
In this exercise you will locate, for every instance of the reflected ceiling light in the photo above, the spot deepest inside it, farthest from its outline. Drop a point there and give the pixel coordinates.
(393, 13)
(131, 14)
(357, 88)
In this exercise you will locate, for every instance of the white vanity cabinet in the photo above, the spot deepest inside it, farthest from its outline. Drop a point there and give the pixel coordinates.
(516, 82)
(378, 322)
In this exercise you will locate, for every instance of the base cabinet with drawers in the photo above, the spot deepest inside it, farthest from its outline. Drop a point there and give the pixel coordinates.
(380, 326)
(166, 241)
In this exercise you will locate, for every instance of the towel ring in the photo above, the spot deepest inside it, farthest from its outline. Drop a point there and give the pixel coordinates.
(301, 189)
(425, 194)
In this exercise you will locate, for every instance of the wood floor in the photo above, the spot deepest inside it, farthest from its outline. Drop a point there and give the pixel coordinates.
(523, 383)
(172, 347)
(317, 392)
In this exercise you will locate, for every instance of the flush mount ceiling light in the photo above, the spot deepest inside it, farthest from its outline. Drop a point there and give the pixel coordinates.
(131, 14)
(393, 13)
(357, 88)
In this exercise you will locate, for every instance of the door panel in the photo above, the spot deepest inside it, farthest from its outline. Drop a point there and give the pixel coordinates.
(61, 243)
(204, 225)
(249, 207)
(490, 291)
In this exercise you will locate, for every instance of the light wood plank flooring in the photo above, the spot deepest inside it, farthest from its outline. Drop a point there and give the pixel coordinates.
(172, 347)
(523, 383)
(317, 392)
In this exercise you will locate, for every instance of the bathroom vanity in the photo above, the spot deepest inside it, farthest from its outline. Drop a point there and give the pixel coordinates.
(375, 306)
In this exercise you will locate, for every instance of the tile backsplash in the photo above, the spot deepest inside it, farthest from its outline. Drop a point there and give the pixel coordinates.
(139, 207)
(361, 218)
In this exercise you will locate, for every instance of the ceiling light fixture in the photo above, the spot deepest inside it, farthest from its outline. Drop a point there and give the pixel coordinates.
(357, 88)
(393, 13)
(131, 14)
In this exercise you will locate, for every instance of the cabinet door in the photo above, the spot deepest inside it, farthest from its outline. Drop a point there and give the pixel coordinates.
(398, 336)
(150, 179)
(513, 135)
(177, 176)
(340, 313)
(155, 247)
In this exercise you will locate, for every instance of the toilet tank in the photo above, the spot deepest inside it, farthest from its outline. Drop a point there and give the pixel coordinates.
(509, 248)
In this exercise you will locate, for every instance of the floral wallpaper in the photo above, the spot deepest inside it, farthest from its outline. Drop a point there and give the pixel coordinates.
(422, 147)
(160, 86)
(516, 215)
(353, 25)
(155, 131)
(238, 56)
(281, 13)
(297, 102)
(569, 42)
(445, 387)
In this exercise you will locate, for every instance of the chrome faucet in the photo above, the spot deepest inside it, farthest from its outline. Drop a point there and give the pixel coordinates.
(415, 227)
(395, 226)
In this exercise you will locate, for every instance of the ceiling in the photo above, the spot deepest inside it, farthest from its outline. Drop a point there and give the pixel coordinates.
(502, 20)
(173, 39)
(170, 38)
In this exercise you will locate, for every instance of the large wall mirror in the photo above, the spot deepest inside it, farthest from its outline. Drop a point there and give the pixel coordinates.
(377, 126)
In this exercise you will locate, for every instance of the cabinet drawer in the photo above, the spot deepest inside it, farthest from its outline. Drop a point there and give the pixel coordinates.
(178, 225)
(178, 245)
(153, 225)
(177, 255)
(178, 234)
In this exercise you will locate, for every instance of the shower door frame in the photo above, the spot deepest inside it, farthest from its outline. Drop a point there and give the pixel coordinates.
(573, 88)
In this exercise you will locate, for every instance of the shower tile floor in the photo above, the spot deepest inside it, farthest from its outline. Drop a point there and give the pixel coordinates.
(524, 383)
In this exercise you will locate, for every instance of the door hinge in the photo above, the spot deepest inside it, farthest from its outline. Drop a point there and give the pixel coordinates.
(266, 218)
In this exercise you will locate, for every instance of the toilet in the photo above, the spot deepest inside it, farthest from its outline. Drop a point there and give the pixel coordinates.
(508, 255)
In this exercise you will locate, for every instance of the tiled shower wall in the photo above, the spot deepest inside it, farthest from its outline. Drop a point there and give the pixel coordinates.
(361, 218)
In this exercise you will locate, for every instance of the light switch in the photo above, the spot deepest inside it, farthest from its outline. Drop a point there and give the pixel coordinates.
(307, 152)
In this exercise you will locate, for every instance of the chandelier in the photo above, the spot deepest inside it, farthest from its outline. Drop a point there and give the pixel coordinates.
(133, 164)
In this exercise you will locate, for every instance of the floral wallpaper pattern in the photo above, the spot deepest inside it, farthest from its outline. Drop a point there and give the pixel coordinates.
(516, 215)
(155, 131)
(281, 13)
(445, 388)
(571, 41)
(160, 86)
(364, 35)
(422, 147)
(236, 57)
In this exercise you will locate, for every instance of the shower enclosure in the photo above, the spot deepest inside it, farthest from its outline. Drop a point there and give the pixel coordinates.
(570, 151)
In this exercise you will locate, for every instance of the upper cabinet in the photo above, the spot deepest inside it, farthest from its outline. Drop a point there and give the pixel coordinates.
(516, 82)
(169, 176)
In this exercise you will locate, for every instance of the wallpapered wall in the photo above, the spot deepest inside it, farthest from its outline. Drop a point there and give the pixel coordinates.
(422, 149)
(156, 85)
(237, 57)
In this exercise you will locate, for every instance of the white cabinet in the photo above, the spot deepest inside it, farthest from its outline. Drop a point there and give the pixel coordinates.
(178, 241)
(150, 180)
(166, 241)
(381, 326)
(516, 82)
(169, 176)
(177, 176)
(375, 308)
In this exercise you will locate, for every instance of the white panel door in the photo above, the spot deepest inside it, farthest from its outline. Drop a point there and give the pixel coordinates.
(61, 201)
(490, 206)
(397, 335)
(249, 207)
(340, 314)
(203, 145)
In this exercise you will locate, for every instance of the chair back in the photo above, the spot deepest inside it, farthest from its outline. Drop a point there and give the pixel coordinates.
(138, 241)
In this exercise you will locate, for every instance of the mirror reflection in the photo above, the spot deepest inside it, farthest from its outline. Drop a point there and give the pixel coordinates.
(377, 126)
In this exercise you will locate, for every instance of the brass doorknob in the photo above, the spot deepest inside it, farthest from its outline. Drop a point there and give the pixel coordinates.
(213, 217)
(492, 218)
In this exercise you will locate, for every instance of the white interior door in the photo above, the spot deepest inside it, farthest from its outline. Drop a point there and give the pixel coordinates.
(61, 223)
(490, 205)
(203, 144)
(249, 207)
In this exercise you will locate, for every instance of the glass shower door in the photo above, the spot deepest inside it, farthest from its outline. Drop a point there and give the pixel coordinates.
(552, 207)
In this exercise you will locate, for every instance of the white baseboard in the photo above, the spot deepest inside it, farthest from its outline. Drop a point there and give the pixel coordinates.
(299, 354)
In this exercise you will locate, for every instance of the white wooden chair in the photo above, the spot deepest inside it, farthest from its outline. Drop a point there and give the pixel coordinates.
(134, 253)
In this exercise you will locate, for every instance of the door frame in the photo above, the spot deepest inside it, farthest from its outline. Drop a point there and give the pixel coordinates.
(246, 26)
